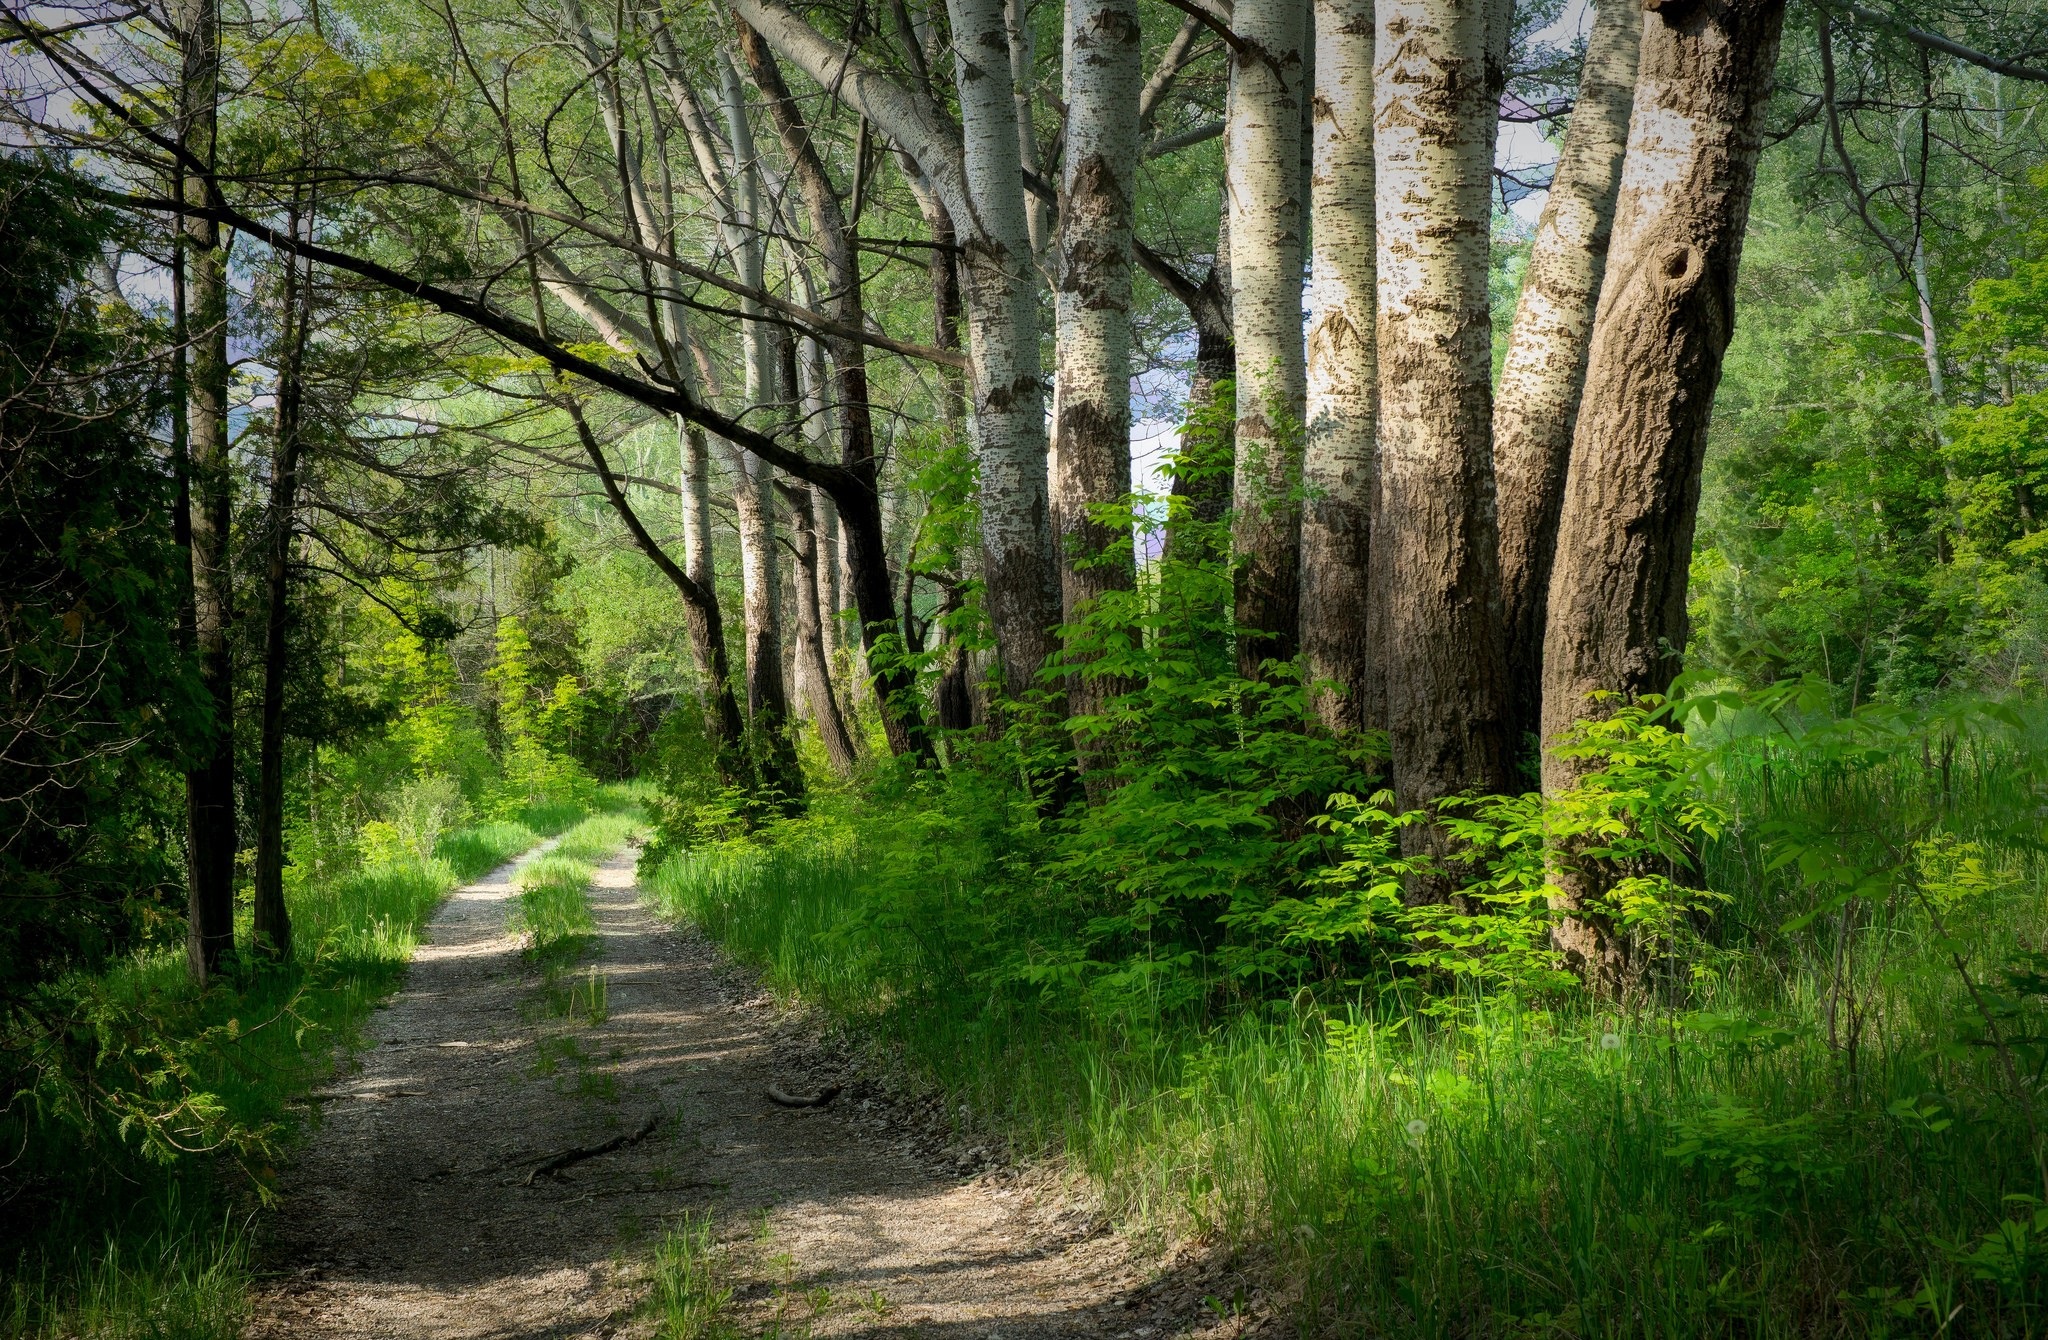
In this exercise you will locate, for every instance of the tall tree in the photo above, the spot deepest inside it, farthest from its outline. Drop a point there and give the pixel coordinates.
(1435, 546)
(1538, 399)
(1020, 578)
(1343, 392)
(211, 836)
(271, 930)
(1091, 458)
(1617, 617)
(1263, 186)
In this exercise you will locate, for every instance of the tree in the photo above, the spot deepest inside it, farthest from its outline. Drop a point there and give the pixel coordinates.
(1263, 196)
(1617, 617)
(1342, 422)
(211, 834)
(1434, 543)
(1091, 458)
(1537, 403)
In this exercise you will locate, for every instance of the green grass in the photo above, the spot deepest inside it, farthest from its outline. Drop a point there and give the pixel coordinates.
(132, 1246)
(554, 907)
(689, 1297)
(1716, 1165)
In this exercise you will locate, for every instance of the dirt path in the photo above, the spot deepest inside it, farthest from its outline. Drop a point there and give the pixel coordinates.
(410, 1212)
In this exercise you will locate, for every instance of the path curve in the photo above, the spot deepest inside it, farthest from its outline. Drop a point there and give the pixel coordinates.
(409, 1213)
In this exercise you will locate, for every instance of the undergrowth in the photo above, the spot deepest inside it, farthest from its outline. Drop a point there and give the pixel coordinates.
(1815, 1114)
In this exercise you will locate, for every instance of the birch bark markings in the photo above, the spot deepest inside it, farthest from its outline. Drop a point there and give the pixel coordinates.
(1624, 542)
(1342, 372)
(1435, 544)
(1091, 460)
(1263, 186)
(1019, 575)
(1545, 368)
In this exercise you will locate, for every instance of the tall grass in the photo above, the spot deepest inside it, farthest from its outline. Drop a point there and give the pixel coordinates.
(1736, 1160)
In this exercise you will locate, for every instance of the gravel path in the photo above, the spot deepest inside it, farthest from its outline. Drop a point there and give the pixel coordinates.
(410, 1212)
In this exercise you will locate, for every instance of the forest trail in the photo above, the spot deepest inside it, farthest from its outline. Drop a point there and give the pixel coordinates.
(409, 1213)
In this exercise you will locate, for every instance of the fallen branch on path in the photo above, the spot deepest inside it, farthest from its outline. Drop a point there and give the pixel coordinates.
(818, 1099)
(570, 1156)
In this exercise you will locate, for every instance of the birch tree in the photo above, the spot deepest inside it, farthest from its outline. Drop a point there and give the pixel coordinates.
(1343, 392)
(1263, 186)
(1091, 461)
(1545, 368)
(1435, 544)
(1617, 617)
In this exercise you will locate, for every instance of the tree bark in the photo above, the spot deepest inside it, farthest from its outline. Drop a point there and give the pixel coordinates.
(211, 838)
(835, 236)
(1343, 392)
(1263, 182)
(272, 927)
(1091, 459)
(1435, 548)
(1019, 575)
(814, 671)
(1538, 402)
(1617, 592)
(753, 493)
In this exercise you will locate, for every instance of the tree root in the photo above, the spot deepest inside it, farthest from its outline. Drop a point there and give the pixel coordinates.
(571, 1156)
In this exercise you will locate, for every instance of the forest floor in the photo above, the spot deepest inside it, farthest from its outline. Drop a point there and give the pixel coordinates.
(422, 1206)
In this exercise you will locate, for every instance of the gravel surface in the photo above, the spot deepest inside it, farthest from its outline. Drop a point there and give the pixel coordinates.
(416, 1210)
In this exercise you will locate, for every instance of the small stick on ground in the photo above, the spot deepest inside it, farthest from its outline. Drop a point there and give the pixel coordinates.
(818, 1099)
(569, 1156)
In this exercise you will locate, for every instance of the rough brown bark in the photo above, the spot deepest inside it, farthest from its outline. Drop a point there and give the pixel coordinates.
(1617, 591)
(210, 781)
(1537, 404)
(1434, 547)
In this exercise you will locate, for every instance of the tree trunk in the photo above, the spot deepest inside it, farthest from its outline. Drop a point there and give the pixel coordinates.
(1624, 542)
(211, 838)
(1435, 548)
(1263, 183)
(1343, 390)
(272, 929)
(1020, 577)
(1538, 402)
(814, 672)
(1091, 460)
(753, 493)
(867, 567)
(1202, 463)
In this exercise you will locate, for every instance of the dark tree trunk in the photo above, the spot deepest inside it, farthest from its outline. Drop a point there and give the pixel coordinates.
(210, 783)
(1617, 592)
(272, 932)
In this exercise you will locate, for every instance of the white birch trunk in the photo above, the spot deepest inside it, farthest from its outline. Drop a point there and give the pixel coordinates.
(1538, 399)
(1435, 545)
(1021, 582)
(1263, 184)
(1343, 391)
(1092, 424)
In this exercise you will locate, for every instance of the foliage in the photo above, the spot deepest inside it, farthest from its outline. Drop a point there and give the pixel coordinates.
(100, 699)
